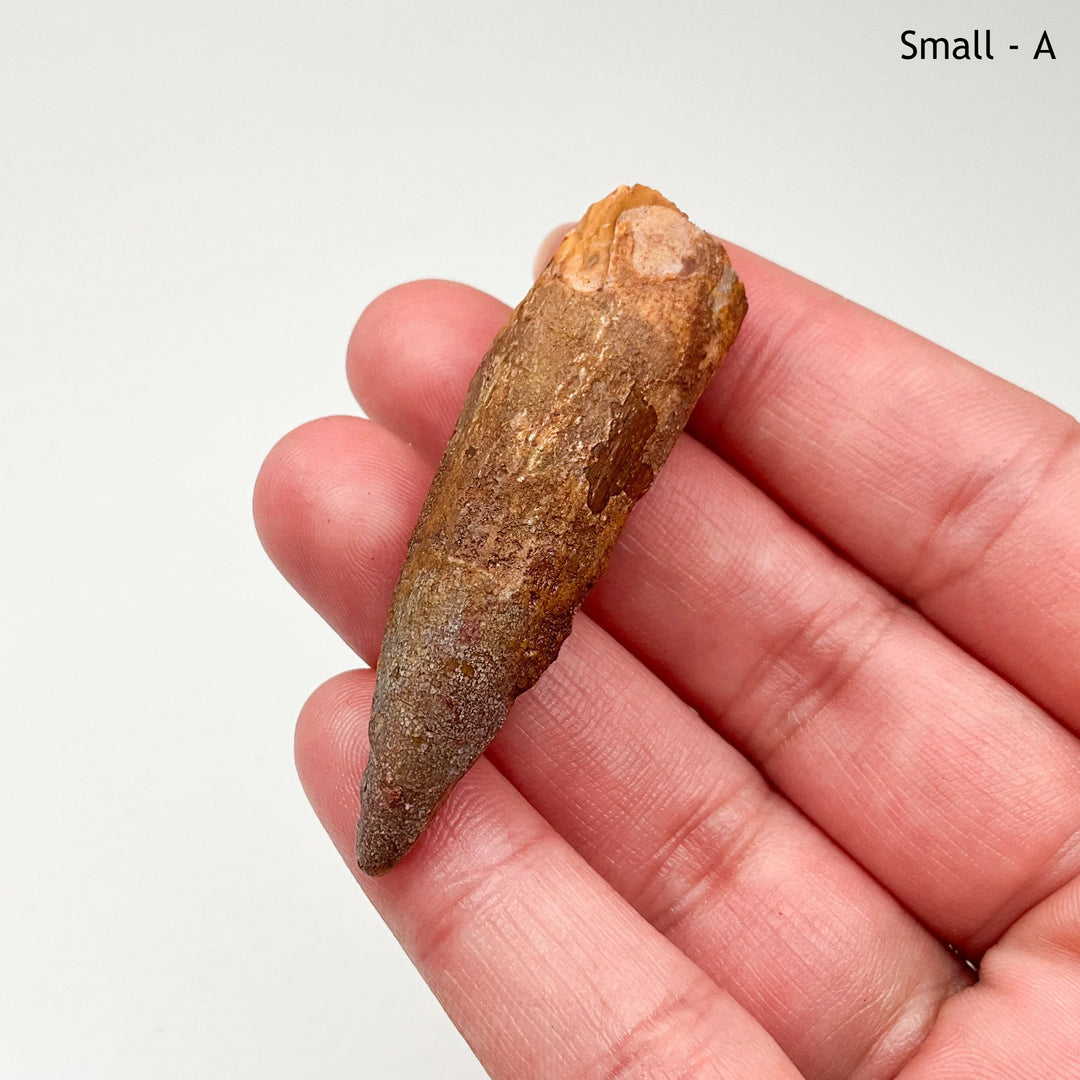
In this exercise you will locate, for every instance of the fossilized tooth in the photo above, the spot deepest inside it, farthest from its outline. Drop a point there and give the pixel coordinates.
(567, 420)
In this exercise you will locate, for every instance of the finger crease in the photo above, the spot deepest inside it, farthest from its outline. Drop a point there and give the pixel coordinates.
(474, 899)
(679, 877)
(972, 499)
(675, 1032)
(811, 668)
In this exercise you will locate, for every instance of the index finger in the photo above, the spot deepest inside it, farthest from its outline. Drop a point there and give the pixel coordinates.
(956, 489)
(543, 968)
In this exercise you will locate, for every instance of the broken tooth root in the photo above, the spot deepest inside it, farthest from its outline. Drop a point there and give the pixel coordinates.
(568, 419)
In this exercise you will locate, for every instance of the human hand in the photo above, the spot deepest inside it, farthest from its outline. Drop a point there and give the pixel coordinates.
(818, 719)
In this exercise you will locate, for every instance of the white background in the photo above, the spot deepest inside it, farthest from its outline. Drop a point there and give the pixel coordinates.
(196, 201)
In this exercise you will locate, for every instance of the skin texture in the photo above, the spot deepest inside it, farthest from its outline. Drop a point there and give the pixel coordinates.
(567, 421)
(817, 720)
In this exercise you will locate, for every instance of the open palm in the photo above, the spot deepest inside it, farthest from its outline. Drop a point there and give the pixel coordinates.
(813, 740)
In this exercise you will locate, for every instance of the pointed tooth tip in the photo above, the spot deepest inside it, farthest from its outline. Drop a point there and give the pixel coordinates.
(378, 850)
(371, 868)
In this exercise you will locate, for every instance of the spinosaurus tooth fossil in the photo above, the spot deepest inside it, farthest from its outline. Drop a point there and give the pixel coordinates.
(567, 421)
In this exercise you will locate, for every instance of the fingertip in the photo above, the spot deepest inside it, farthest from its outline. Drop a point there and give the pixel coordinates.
(330, 749)
(334, 504)
(285, 472)
(412, 353)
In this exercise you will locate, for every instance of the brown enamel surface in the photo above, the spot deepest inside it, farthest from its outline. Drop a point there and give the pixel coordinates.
(568, 419)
